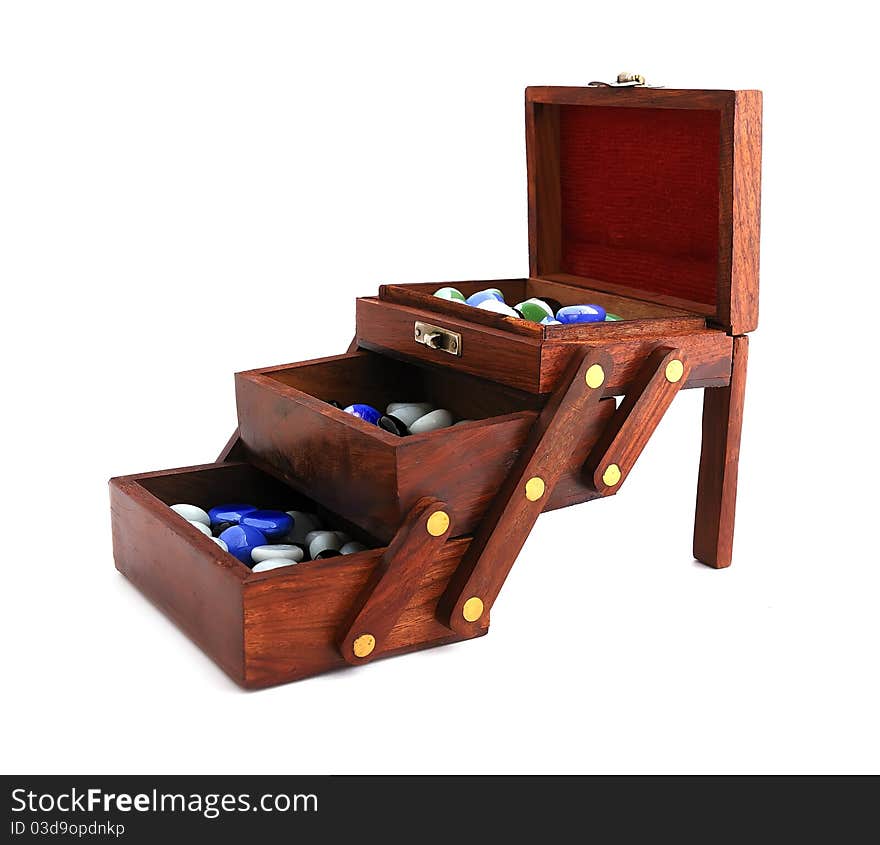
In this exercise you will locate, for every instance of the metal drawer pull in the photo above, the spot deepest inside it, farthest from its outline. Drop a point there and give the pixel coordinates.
(436, 338)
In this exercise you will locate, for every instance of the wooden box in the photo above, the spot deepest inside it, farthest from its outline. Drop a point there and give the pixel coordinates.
(642, 200)
(374, 477)
(262, 628)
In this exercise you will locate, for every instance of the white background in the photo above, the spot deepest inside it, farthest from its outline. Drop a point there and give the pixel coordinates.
(189, 189)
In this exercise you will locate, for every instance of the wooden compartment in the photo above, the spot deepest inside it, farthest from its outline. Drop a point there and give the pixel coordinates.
(260, 628)
(645, 201)
(535, 364)
(372, 477)
(636, 313)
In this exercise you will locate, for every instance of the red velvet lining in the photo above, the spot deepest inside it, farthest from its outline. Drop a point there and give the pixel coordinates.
(640, 195)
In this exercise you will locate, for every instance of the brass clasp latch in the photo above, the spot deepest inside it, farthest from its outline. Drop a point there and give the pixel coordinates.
(435, 337)
(625, 80)
(630, 79)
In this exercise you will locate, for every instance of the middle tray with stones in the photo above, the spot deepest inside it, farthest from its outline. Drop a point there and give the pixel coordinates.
(289, 428)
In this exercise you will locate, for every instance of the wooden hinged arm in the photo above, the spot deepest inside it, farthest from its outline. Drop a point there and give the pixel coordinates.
(626, 435)
(475, 585)
(394, 581)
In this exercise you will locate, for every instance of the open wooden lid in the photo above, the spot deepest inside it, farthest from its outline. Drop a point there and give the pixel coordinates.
(652, 193)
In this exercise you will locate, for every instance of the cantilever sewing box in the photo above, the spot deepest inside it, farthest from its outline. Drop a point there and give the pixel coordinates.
(643, 200)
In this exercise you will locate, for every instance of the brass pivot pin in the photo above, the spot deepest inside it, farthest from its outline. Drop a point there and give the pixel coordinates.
(595, 376)
(438, 523)
(611, 476)
(472, 609)
(535, 488)
(674, 371)
(363, 646)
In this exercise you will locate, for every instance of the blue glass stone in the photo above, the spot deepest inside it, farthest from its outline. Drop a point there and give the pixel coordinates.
(367, 413)
(581, 314)
(228, 513)
(550, 321)
(482, 295)
(241, 540)
(272, 524)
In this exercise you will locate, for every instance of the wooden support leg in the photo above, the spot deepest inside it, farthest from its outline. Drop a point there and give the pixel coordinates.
(719, 462)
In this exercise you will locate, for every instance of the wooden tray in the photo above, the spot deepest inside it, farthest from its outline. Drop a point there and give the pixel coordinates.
(645, 201)
(260, 628)
(374, 478)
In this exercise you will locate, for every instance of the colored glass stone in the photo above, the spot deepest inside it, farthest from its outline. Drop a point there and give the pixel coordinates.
(272, 524)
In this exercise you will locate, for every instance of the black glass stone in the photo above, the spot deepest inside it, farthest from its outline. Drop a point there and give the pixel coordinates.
(390, 423)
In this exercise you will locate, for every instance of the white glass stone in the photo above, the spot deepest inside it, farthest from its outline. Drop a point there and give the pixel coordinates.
(326, 540)
(497, 307)
(192, 513)
(441, 418)
(278, 550)
(221, 543)
(408, 414)
(534, 309)
(201, 526)
(393, 406)
(273, 563)
(352, 548)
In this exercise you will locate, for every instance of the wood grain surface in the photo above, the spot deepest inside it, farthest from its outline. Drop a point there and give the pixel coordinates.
(534, 366)
(624, 439)
(372, 477)
(181, 571)
(742, 294)
(719, 464)
(512, 514)
(733, 303)
(494, 354)
(394, 581)
(260, 628)
(291, 621)
(708, 352)
(545, 199)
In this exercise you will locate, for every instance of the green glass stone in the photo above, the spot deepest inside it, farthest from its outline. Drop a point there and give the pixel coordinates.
(612, 318)
(534, 310)
(450, 293)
